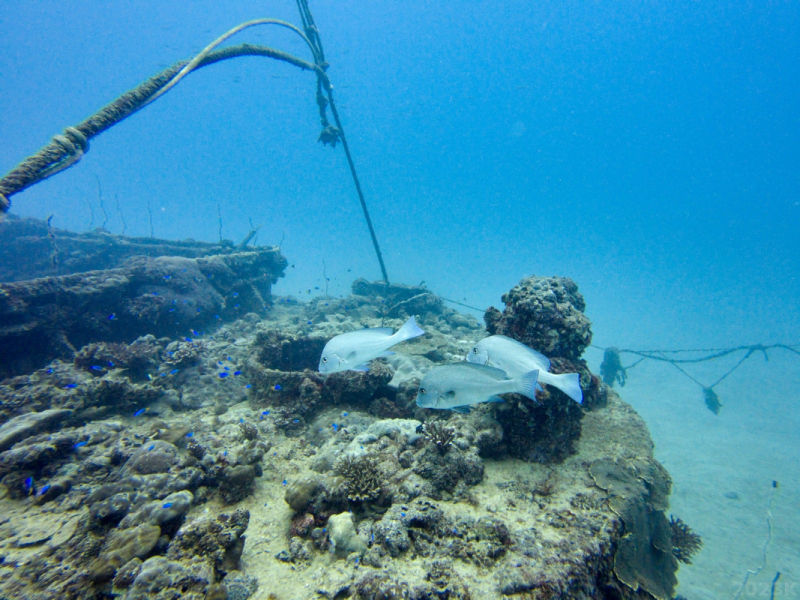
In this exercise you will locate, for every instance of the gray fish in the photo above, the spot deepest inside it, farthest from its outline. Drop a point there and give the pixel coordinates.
(515, 359)
(457, 386)
(353, 350)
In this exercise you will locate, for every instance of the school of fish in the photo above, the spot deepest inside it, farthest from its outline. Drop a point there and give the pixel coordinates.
(495, 365)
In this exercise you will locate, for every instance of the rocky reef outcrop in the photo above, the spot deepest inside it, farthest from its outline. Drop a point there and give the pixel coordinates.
(222, 464)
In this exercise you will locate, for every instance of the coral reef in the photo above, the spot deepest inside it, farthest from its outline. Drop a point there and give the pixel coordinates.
(186, 460)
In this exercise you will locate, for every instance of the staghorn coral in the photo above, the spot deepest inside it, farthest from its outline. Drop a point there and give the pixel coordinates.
(362, 477)
(685, 542)
(439, 434)
(249, 431)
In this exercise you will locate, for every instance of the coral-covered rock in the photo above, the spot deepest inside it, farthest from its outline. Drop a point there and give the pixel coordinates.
(545, 313)
(162, 579)
(157, 456)
(237, 483)
(220, 540)
(26, 425)
(446, 470)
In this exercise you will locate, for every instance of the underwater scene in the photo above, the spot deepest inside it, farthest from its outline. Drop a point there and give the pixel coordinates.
(323, 299)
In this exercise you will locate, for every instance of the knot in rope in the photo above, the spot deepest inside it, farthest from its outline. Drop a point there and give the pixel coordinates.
(329, 135)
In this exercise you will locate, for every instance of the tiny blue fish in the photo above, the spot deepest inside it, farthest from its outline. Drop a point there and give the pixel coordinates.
(167, 505)
(344, 414)
(167, 277)
(236, 305)
(111, 364)
(49, 370)
(188, 340)
(237, 373)
(141, 411)
(151, 447)
(173, 371)
(266, 412)
(96, 368)
(326, 304)
(324, 530)
(284, 482)
(241, 420)
(44, 490)
(190, 434)
(309, 323)
(183, 270)
(296, 421)
(195, 333)
(216, 316)
(402, 514)
(225, 453)
(79, 444)
(69, 386)
(219, 362)
(227, 368)
(277, 387)
(171, 353)
(198, 310)
(223, 375)
(28, 484)
(335, 426)
(155, 293)
(112, 316)
(171, 310)
(230, 359)
(235, 294)
(248, 386)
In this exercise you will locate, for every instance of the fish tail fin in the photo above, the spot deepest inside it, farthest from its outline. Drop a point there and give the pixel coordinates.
(526, 384)
(569, 383)
(409, 330)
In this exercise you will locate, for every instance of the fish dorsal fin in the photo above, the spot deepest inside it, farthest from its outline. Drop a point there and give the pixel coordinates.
(541, 358)
(375, 331)
(493, 372)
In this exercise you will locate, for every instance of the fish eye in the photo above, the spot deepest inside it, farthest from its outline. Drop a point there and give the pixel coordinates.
(421, 390)
(474, 350)
(324, 359)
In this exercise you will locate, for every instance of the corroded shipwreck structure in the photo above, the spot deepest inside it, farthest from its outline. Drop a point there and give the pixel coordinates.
(61, 290)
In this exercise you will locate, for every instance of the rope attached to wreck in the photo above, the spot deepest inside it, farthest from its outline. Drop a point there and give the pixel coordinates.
(66, 149)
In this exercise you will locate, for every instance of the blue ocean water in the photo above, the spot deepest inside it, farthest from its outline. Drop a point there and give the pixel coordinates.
(649, 151)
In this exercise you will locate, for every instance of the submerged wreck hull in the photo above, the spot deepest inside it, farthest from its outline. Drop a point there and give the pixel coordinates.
(140, 291)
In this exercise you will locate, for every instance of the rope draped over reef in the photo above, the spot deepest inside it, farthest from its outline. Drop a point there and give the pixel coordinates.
(66, 149)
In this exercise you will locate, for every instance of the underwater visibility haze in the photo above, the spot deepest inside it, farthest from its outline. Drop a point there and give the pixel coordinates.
(212, 386)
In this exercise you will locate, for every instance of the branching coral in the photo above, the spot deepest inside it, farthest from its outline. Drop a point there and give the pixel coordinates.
(362, 475)
(685, 542)
(439, 434)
